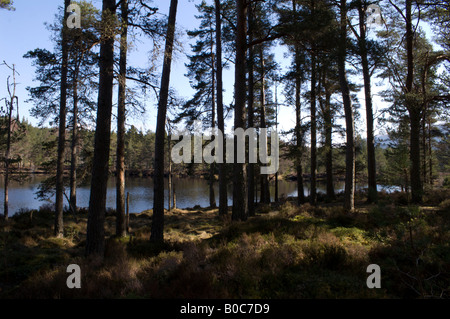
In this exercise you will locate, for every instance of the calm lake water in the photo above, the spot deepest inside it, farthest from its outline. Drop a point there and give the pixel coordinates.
(189, 192)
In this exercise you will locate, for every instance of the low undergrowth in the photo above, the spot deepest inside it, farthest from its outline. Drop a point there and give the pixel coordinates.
(286, 252)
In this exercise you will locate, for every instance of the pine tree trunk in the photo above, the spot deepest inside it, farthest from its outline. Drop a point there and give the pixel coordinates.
(120, 156)
(276, 127)
(414, 111)
(430, 154)
(223, 196)
(6, 188)
(265, 192)
(212, 195)
(371, 163)
(313, 194)
(349, 196)
(424, 147)
(416, 182)
(169, 160)
(157, 231)
(128, 212)
(74, 149)
(59, 200)
(239, 211)
(298, 131)
(174, 206)
(251, 122)
(329, 146)
(8, 150)
(10, 107)
(95, 240)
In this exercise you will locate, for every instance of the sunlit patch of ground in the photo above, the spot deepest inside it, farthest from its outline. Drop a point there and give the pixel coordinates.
(285, 251)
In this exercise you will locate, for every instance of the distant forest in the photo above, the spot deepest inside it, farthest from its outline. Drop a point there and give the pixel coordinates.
(32, 146)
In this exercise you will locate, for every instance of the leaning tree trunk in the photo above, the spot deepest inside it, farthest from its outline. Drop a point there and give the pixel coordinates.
(59, 200)
(349, 196)
(95, 240)
(121, 230)
(157, 231)
(239, 211)
(223, 197)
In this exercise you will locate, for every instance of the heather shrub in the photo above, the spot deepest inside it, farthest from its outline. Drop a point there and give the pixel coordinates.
(436, 196)
(294, 252)
(445, 206)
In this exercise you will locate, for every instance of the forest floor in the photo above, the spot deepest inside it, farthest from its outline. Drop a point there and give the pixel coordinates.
(285, 251)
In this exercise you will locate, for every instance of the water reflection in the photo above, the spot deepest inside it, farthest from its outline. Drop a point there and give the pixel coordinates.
(189, 192)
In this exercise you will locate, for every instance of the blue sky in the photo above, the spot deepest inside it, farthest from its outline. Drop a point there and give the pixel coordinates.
(20, 31)
(23, 30)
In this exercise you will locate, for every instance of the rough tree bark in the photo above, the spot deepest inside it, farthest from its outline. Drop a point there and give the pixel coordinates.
(95, 240)
(223, 197)
(415, 114)
(170, 177)
(74, 148)
(59, 200)
(313, 194)
(328, 122)
(251, 122)
(298, 127)
(239, 211)
(157, 231)
(212, 195)
(349, 197)
(276, 128)
(265, 192)
(415, 172)
(371, 163)
(120, 158)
